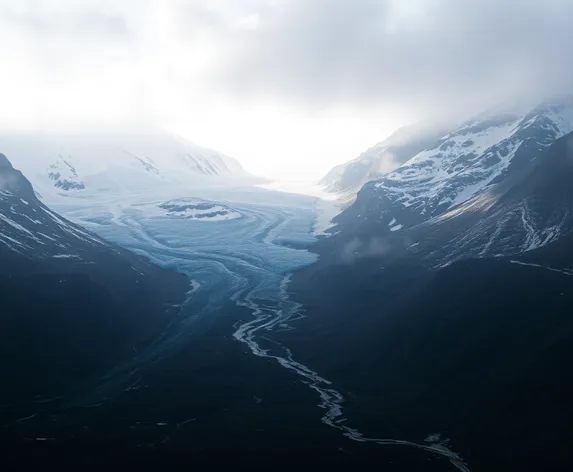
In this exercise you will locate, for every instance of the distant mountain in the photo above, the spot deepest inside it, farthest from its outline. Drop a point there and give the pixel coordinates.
(117, 161)
(521, 212)
(382, 158)
(72, 303)
(489, 154)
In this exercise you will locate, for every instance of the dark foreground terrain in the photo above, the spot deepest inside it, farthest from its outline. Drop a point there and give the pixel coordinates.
(212, 403)
(479, 352)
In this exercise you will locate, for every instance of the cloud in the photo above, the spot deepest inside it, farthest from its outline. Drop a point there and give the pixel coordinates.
(71, 20)
(8, 182)
(288, 86)
(373, 52)
(67, 62)
(357, 249)
(319, 54)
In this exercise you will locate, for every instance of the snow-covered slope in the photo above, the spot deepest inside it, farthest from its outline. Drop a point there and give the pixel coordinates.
(83, 163)
(29, 228)
(382, 158)
(474, 156)
(489, 149)
(509, 217)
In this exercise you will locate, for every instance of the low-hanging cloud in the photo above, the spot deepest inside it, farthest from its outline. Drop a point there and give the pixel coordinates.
(368, 52)
(358, 249)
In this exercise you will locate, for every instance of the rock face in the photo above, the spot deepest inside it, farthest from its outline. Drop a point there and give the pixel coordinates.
(524, 211)
(468, 171)
(72, 303)
(65, 176)
(510, 217)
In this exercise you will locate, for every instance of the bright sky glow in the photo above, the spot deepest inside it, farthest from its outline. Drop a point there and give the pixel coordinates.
(289, 87)
(72, 65)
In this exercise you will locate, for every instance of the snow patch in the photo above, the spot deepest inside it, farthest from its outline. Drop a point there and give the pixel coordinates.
(568, 272)
(17, 226)
(66, 256)
(198, 210)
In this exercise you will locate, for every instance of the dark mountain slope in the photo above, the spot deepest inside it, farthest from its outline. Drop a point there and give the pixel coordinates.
(72, 303)
(478, 352)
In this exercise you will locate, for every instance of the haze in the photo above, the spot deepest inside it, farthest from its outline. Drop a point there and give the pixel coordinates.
(288, 87)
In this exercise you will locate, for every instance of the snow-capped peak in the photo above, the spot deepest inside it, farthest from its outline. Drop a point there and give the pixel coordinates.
(479, 153)
(467, 169)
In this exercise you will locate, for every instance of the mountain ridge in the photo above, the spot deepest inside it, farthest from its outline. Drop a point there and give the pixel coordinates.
(383, 157)
(438, 182)
(135, 160)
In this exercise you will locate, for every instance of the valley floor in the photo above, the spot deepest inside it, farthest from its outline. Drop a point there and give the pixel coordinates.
(217, 381)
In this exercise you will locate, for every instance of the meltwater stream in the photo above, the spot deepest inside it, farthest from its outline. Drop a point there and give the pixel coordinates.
(246, 260)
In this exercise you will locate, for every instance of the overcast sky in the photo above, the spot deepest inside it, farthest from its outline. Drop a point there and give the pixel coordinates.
(289, 87)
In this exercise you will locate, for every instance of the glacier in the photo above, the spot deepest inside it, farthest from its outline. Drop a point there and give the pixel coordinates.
(254, 242)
